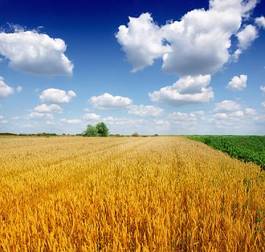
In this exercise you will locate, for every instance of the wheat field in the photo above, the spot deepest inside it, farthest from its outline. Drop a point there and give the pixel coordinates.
(127, 194)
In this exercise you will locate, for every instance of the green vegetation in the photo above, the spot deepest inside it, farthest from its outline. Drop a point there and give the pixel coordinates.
(246, 148)
(100, 129)
(91, 131)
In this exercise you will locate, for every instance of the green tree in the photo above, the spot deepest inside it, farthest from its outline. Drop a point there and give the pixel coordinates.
(91, 131)
(102, 129)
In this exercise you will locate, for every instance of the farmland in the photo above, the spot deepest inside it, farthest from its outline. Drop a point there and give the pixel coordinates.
(246, 148)
(127, 194)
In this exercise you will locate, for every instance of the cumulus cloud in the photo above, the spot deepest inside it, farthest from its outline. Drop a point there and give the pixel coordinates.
(41, 115)
(244, 7)
(187, 89)
(187, 121)
(71, 121)
(107, 100)
(233, 118)
(229, 113)
(245, 38)
(45, 111)
(5, 90)
(35, 52)
(53, 95)
(226, 116)
(199, 43)
(122, 121)
(250, 111)
(127, 125)
(51, 108)
(144, 110)
(262, 88)
(260, 21)
(263, 104)
(91, 117)
(227, 106)
(186, 117)
(238, 82)
(162, 124)
(140, 51)
(183, 121)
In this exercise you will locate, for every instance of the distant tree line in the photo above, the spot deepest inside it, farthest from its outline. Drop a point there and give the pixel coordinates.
(100, 129)
(30, 134)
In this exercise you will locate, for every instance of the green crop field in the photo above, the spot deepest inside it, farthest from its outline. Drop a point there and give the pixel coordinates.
(246, 148)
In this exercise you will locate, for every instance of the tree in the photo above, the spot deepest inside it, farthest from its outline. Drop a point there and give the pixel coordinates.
(102, 129)
(91, 131)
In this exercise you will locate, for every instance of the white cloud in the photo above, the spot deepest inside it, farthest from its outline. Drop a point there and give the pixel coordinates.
(187, 89)
(3, 120)
(127, 125)
(141, 50)
(241, 6)
(144, 110)
(229, 113)
(187, 121)
(200, 41)
(234, 118)
(245, 38)
(107, 100)
(177, 122)
(35, 52)
(263, 104)
(92, 117)
(50, 122)
(5, 90)
(197, 44)
(162, 124)
(260, 21)
(234, 115)
(71, 121)
(51, 108)
(122, 121)
(262, 88)
(53, 95)
(227, 106)
(250, 111)
(180, 117)
(39, 115)
(238, 82)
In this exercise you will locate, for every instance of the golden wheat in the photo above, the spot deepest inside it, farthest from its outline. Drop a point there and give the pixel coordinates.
(127, 194)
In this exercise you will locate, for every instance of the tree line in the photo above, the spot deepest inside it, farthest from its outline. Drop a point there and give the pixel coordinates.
(100, 130)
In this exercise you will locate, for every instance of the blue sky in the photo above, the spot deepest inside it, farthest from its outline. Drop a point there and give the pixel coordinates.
(175, 67)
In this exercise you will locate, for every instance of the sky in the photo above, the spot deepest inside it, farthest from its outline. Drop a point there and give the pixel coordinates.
(152, 67)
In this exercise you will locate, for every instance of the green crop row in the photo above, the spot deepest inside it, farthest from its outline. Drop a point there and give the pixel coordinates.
(246, 148)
